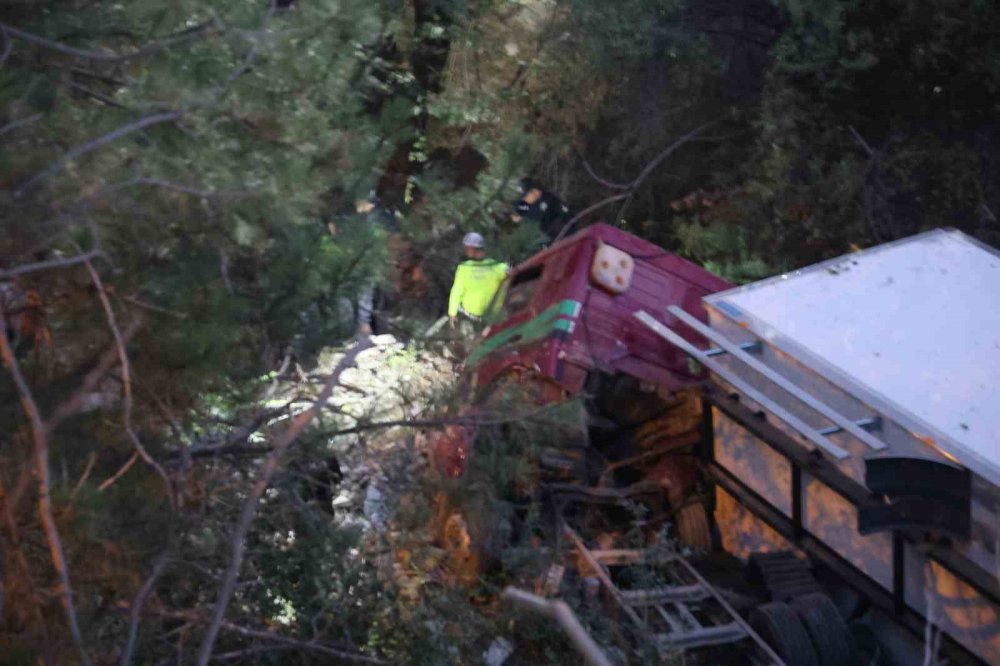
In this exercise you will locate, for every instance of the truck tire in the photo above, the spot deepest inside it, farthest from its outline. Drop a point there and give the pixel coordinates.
(692, 526)
(869, 648)
(826, 628)
(781, 628)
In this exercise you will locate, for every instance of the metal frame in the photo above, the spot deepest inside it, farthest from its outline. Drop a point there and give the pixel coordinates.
(945, 445)
(736, 629)
(891, 601)
(795, 422)
(871, 423)
(771, 375)
(818, 468)
(754, 346)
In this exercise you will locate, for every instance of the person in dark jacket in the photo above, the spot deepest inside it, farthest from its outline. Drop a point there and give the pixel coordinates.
(383, 219)
(542, 207)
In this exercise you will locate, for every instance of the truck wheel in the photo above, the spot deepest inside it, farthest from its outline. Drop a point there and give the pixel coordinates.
(692, 526)
(869, 649)
(781, 628)
(827, 629)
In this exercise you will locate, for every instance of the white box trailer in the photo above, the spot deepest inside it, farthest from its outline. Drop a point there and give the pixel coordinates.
(853, 413)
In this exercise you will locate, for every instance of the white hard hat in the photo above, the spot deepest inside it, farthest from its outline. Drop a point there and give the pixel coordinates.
(472, 239)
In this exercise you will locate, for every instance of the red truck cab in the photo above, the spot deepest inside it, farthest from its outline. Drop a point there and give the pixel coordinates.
(568, 311)
(567, 314)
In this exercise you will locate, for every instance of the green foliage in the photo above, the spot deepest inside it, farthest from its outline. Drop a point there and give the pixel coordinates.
(868, 131)
(213, 223)
(722, 249)
(229, 233)
(624, 32)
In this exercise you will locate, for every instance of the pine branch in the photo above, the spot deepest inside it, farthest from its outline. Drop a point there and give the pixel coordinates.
(136, 125)
(187, 35)
(249, 509)
(94, 144)
(251, 55)
(43, 472)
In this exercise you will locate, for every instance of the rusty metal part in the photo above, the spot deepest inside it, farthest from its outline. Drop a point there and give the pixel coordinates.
(675, 443)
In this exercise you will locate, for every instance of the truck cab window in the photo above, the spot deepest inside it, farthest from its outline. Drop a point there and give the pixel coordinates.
(522, 288)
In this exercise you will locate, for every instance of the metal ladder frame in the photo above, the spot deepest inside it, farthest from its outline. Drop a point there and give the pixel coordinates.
(694, 635)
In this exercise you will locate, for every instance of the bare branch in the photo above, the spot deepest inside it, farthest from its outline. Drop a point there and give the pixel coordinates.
(224, 271)
(186, 35)
(656, 161)
(312, 646)
(869, 196)
(251, 55)
(136, 611)
(12, 498)
(14, 124)
(860, 139)
(50, 264)
(94, 144)
(987, 211)
(587, 211)
(249, 509)
(631, 187)
(178, 187)
(562, 614)
(91, 459)
(285, 362)
(99, 96)
(103, 77)
(43, 473)
(154, 308)
(8, 45)
(236, 441)
(14, 542)
(127, 382)
(602, 181)
(75, 402)
(110, 481)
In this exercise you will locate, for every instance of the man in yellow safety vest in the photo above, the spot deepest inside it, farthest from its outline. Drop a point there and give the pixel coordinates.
(477, 280)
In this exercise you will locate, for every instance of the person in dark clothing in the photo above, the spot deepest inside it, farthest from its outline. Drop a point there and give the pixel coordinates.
(541, 207)
(383, 219)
